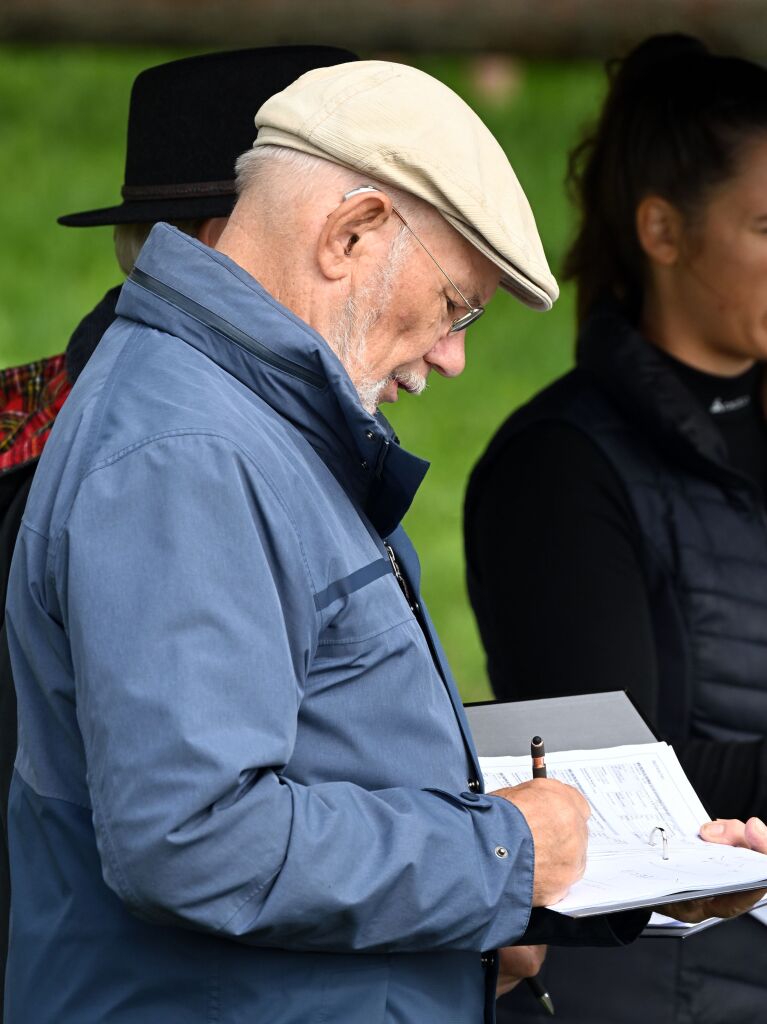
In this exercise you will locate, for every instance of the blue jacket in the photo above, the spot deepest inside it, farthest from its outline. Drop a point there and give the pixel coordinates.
(243, 792)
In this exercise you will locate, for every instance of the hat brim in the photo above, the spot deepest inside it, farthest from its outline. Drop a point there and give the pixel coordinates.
(539, 295)
(150, 210)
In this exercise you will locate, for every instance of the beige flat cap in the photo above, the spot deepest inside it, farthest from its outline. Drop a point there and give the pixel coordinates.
(403, 127)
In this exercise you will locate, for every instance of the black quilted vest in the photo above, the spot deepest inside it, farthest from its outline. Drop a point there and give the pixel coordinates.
(702, 524)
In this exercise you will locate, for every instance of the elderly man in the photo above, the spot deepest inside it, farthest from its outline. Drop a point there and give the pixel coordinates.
(245, 789)
(178, 168)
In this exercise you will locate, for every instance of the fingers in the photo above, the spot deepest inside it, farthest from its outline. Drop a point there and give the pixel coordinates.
(570, 793)
(521, 961)
(563, 804)
(736, 903)
(690, 911)
(751, 835)
(557, 816)
(558, 793)
(726, 832)
(730, 905)
(731, 832)
(756, 835)
(516, 963)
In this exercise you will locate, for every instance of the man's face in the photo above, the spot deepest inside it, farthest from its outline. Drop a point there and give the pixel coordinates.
(393, 332)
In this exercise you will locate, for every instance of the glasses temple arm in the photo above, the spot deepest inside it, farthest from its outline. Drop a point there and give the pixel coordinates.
(465, 301)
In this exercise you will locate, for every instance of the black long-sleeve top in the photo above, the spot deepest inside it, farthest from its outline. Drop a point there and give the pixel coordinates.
(563, 605)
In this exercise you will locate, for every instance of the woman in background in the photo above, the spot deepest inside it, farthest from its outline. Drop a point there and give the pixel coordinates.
(616, 530)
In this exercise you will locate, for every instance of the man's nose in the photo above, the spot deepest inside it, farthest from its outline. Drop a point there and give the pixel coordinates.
(448, 356)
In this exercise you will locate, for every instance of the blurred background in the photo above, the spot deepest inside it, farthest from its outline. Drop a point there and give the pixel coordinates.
(534, 71)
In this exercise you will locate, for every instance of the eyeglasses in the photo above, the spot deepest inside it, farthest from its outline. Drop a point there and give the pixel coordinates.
(472, 312)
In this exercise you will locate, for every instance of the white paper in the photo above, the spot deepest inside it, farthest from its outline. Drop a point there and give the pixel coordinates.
(661, 921)
(632, 791)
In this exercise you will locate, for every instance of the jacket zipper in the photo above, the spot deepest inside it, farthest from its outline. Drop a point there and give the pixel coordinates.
(223, 327)
(400, 578)
(473, 782)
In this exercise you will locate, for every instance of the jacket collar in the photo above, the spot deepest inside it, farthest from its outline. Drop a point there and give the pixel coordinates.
(89, 332)
(636, 377)
(182, 287)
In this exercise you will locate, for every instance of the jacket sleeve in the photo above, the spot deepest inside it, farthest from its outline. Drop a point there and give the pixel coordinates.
(547, 927)
(190, 613)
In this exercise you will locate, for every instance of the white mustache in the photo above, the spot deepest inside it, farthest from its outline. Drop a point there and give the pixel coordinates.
(414, 383)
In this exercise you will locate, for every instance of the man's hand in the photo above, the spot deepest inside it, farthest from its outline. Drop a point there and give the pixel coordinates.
(556, 815)
(731, 832)
(515, 963)
(752, 835)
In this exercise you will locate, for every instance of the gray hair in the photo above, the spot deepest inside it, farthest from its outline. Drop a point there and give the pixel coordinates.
(129, 238)
(263, 169)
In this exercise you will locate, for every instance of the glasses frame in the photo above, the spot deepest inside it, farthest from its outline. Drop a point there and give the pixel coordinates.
(472, 313)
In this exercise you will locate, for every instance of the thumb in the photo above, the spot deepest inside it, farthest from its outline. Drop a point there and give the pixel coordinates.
(727, 832)
(756, 835)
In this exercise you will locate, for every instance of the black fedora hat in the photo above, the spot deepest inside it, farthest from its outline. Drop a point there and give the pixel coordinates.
(188, 122)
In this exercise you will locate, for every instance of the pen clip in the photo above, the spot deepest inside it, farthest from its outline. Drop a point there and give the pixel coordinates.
(664, 840)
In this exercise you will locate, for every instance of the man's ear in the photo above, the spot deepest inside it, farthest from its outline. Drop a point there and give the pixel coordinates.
(349, 231)
(660, 228)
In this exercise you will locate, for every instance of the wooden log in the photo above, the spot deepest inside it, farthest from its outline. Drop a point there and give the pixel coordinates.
(537, 28)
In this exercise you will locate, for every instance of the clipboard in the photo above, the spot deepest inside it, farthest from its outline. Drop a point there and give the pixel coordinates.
(586, 721)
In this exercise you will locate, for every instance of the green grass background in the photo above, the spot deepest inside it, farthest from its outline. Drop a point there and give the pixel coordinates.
(63, 113)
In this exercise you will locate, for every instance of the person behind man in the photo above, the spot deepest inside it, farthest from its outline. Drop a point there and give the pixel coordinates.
(239, 733)
(188, 122)
(615, 527)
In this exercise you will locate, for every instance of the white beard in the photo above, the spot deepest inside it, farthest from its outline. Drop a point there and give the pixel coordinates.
(351, 337)
(370, 391)
(348, 336)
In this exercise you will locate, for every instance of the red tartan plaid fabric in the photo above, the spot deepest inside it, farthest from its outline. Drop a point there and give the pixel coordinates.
(30, 398)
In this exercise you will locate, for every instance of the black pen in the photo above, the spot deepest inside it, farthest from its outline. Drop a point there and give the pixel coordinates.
(538, 755)
(538, 989)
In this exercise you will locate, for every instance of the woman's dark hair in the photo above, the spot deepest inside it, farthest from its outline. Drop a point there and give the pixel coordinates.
(674, 123)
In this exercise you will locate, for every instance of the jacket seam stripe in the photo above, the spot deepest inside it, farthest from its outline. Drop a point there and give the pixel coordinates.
(352, 583)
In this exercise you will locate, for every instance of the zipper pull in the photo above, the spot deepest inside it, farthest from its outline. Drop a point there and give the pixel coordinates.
(399, 577)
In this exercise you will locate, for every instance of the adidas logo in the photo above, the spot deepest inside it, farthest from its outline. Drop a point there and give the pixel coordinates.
(718, 406)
